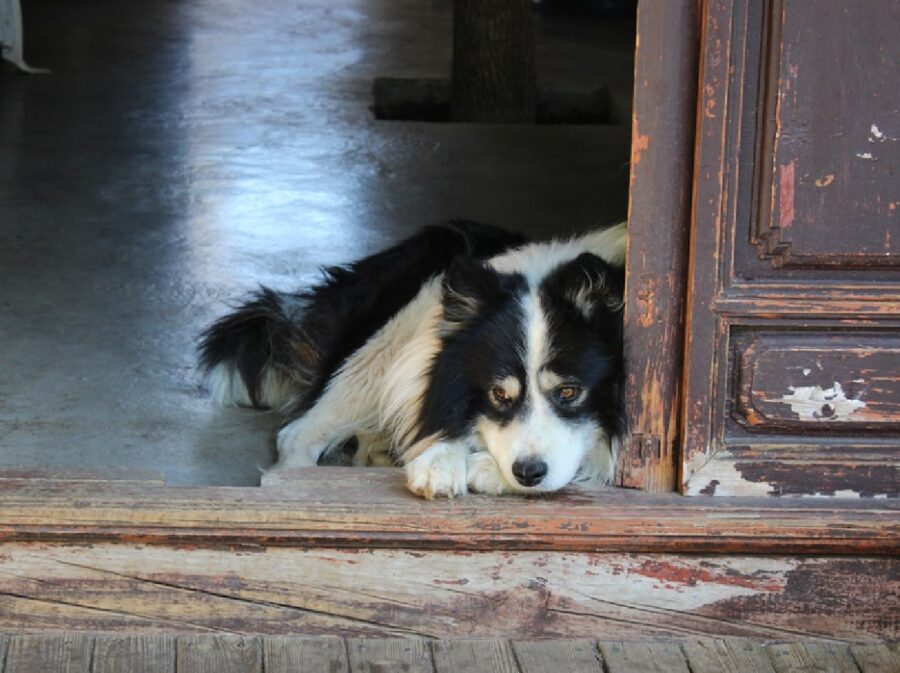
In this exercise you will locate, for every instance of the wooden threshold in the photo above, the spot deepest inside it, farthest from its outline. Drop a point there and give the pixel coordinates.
(84, 653)
(371, 508)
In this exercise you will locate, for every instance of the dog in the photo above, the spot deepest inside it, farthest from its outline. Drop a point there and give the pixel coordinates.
(475, 359)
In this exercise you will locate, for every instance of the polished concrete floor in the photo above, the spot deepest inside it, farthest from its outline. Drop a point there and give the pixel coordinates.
(180, 153)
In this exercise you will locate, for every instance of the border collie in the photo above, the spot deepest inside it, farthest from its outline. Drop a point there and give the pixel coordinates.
(476, 360)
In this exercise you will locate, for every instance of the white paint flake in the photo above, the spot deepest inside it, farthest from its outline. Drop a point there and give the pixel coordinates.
(806, 371)
(865, 155)
(812, 403)
(877, 135)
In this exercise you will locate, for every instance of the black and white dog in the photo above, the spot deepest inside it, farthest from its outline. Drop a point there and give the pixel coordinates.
(474, 359)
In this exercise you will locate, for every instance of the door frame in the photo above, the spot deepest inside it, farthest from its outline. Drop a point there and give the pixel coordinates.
(659, 216)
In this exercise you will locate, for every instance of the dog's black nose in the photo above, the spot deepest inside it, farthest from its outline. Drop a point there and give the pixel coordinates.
(530, 471)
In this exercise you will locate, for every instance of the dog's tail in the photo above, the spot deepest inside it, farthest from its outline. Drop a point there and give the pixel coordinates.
(256, 355)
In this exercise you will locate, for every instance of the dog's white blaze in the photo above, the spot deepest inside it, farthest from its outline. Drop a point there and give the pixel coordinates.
(540, 433)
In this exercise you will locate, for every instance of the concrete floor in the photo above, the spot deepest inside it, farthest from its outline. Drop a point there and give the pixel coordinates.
(180, 153)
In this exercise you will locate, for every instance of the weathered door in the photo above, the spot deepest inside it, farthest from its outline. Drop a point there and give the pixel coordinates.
(792, 372)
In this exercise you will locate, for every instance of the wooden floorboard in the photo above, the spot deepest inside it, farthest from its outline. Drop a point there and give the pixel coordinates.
(66, 653)
(390, 655)
(727, 656)
(302, 655)
(220, 654)
(538, 656)
(111, 653)
(134, 654)
(876, 658)
(643, 657)
(812, 657)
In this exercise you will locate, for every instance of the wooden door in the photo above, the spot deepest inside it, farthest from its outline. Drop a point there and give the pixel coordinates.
(792, 357)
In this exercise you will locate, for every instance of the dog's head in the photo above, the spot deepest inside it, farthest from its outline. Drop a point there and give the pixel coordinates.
(530, 368)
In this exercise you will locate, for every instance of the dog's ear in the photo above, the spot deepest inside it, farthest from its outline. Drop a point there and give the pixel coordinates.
(469, 287)
(590, 285)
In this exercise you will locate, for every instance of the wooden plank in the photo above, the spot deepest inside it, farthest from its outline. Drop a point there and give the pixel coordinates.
(540, 656)
(474, 656)
(811, 658)
(134, 654)
(304, 655)
(727, 656)
(659, 209)
(219, 654)
(389, 655)
(877, 657)
(631, 657)
(371, 507)
(72, 473)
(435, 594)
(68, 653)
(4, 642)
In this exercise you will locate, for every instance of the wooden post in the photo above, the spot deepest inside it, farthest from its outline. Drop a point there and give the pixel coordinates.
(662, 141)
(494, 79)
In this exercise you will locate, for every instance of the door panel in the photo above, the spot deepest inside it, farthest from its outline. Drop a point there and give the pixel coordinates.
(792, 358)
(838, 384)
(828, 189)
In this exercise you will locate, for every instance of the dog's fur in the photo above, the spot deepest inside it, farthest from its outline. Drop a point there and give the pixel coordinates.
(476, 360)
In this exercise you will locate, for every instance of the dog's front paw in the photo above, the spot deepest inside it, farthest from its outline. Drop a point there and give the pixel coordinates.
(296, 448)
(439, 471)
(484, 475)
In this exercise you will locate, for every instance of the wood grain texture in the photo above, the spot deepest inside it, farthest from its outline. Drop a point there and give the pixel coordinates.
(383, 593)
(371, 507)
(622, 657)
(73, 473)
(134, 654)
(69, 653)
(811, 658)
(877, 657)
(727, 656)
(219, 654)
(539, 594)
(389, 655)
(664, 119)
(540, 656)
(304, 655)
(494, 74)
(4, 642)
(474, 656)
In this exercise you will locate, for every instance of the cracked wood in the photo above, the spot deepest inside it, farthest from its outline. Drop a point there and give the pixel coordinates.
(368, 593)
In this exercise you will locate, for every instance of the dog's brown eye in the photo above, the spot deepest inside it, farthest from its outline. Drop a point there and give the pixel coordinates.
(500, 397)
(568, 394)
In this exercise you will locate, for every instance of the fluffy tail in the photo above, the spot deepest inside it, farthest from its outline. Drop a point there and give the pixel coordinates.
(253, 356)
(279, 350)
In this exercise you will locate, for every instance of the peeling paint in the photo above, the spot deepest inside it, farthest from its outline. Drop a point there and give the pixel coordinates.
(806, 371)
(877, 134)
(729, 481)
(844, 493)
(812, 403)
(639, 143)
(786, 195)
(865, 155)
(824, 182)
